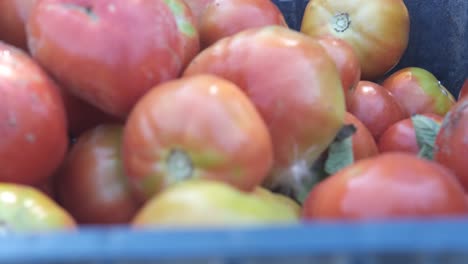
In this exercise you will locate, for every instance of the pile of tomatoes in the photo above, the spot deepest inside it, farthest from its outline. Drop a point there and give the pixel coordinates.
(159, 113)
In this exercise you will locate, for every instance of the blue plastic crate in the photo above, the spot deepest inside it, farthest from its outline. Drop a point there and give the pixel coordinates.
(439, 39)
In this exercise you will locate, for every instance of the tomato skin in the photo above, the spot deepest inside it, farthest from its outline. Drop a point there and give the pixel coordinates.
(294, 85)
(364, 145)
(388, 186)
(375, 107)
(34, 120)
(212, 132)
(451, 145)
(418, 91)
(378, 47)
(25, 209)
(91, 184)
(113, 47)
(401, 137)
(13, 15)
(198, 7)
(217, 20)
(346, 61)
(463, 90)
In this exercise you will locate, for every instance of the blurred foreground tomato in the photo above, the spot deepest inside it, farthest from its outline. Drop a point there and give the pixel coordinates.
(124, 47)
(197, 7)
(375, 107)
(418, 92)
(13, 16)
(198, 203)
(217, 20)
(463, 90)
(378, 30)
(451, 145)
(388, 186)
(26, 209)
(293, 83)
(91, 184)
(364, 145)
(401, 136)
(33, 132)
(195, 127)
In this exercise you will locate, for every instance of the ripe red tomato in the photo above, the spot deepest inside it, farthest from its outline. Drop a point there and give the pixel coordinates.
(388, 186)
(294, 85)
(25, 209)
(463, 90)
(13, 15)
(401, 137)
(216, 22)
(200, 126)
(377, 30)
(33, 132)
(451, 145)
(418, 92)
(345, 59)
(197, 7)
(375, 107)
(91, 184)
(124, 47)
(364, 145)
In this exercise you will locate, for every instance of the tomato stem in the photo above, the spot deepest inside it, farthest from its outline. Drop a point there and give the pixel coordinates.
(179, 165)
(341, 22)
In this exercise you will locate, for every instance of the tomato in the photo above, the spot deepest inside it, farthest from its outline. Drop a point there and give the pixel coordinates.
(91, 184)
(25, 209)
(463, 90)
(216, 21)
(377, 30)
(124, 47)
(13, 15)
(293, 83)
(33, 120)
(212, 131)
(418, 91)
(375, 107)
(364, 145)
(401, 137)
(388, 186)
(451, 145)
(196, 203)
(197, 7)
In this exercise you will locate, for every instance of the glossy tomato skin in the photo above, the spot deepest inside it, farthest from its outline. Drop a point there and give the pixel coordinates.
(198, 7)
(13, 16)
(25, 209)
(401, 136)
(34, 130)
(124, 48)
(292, 82)
(463, 90)
(451, 145)
(388, 186)
(346, 61)
(364, 145)
(375, 107)
(91, 184)
(419, 92)
(378, 47)
(217, 20)
(212, 132)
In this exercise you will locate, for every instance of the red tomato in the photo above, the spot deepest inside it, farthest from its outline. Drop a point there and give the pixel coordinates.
(33, 132)
(463, 90)
(200, 126)
(377, 30)
(451, 145)
(197, 7)
(401, 137)
(124, 47)
(25, 209)
(364, 145)
(388, 186)
(418, 91)
(346, 61)
(91, 184)
(217, 20)
(293, 83)
(13, 15)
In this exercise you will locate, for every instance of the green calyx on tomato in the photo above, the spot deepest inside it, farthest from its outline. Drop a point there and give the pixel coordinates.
(184, 25)
(426, 130)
